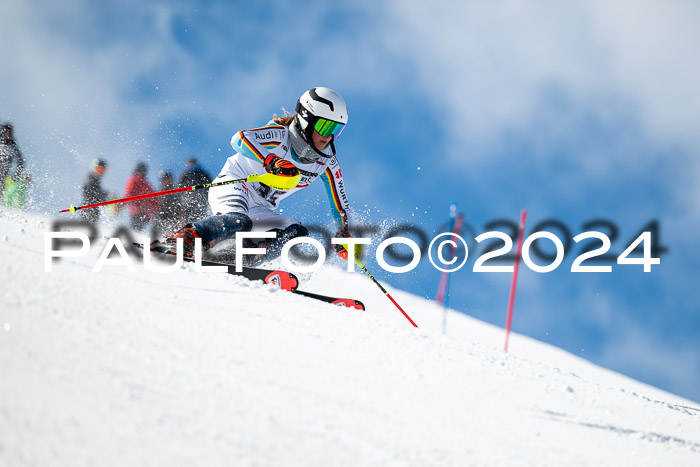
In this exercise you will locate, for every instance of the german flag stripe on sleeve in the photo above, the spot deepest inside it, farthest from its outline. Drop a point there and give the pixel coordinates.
(336, 199)
(251, 147)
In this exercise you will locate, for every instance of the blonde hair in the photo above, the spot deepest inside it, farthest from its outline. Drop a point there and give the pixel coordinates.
(286, 119)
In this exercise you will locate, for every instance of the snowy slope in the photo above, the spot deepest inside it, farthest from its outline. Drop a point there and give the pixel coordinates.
(122, 368)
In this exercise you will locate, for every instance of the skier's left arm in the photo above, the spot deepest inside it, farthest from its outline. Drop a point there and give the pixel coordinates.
(340, 206)
(337, 196)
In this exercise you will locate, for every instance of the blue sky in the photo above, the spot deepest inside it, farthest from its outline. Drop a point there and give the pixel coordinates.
(575, 112)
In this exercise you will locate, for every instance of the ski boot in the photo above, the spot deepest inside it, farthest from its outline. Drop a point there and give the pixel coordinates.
(188, 234)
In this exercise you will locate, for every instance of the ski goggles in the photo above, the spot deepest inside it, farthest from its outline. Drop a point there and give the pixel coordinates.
(328, 128)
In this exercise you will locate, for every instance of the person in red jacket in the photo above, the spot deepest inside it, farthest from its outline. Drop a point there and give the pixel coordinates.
(141, 211)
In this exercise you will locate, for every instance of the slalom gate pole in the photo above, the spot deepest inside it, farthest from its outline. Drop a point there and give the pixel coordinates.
(442, 287)
(364, 269)
(511, 299)
(274, 181)
(457, 229)
(443, 295)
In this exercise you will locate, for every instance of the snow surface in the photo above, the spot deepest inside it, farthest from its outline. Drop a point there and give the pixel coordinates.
(139, 368)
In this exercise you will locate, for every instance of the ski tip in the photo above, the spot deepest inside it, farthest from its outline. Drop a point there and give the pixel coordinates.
(282, 279)
(349, 303)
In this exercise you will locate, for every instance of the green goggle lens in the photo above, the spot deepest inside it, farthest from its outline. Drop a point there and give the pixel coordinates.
(328, 128)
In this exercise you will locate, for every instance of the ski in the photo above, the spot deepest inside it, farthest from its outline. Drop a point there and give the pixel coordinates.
(279, 278)
(347, 302)
(282, 279)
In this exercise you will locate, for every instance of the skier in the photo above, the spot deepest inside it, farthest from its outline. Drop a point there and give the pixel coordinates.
(16, 189)
(9, 152)
(303, 143)
(93, 192)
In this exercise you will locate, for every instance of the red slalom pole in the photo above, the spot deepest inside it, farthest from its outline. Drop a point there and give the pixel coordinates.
(518, 251)
(278, 182)
(130, 198)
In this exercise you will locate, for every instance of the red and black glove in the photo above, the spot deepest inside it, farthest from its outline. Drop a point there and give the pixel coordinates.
(342, 252)
(278, 166)
(340, 248)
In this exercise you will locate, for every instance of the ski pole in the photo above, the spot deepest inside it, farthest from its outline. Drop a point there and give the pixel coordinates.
(364, 269)
(274, 181)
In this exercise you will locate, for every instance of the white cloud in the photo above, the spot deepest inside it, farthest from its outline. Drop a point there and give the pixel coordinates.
(653, 49)
(490, 66)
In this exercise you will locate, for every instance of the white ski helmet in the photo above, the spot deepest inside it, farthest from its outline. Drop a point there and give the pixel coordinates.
(321, 109)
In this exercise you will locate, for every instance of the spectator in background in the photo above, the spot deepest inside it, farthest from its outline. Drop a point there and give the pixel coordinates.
(9, 152)
(168, 217)
(141, 211)
(194, 204)
(93, 192)
(16, 189)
